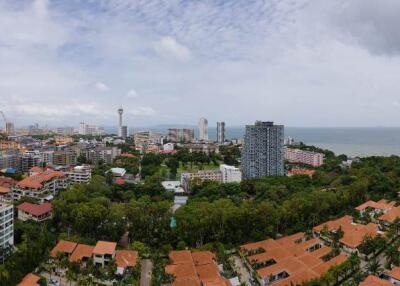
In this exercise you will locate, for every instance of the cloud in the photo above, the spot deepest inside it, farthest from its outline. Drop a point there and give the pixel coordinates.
(100, 86)
(168, 46)
(297, 62)
(132, 94)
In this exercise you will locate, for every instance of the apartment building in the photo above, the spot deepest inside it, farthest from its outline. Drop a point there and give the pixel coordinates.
(42, 186)
(180, 134)
(262, 154)
(80, 174)
(64, 158)
(30, 159)
(230, 174)
(10, 159)
(6, 228)
(106, 155)
(304, 157)
(190, 179)
(7, 145)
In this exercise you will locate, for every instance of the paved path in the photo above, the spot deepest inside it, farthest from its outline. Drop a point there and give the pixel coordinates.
(145, 276)
(63, 281)
(241, 270)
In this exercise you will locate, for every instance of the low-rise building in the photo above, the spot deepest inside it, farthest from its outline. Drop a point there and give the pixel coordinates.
(30, 279)
(375, 281)
(195, 268)
(304, 157)
(104, 252)
(353, 233)
(230, 174)
(118, 172)
(290, 260)
(301, 172)
(190, 179)
(35, 212)
(6, 228)
(394, 275)
(172, 186)
(42, 186)
(63, 247)
(80, 174)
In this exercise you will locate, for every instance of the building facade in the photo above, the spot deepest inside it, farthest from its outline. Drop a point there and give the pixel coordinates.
(6, 228)
(262, 154)
(221, 132)
(190, 179)
(230, 174)
(203, 129)
(80, 174)
(180, 134)
(305, 157)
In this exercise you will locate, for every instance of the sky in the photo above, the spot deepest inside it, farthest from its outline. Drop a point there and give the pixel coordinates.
(295, 62)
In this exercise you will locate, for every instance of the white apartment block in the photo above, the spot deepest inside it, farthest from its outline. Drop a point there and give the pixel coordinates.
(305, 157)
(230, 174)
(80, 174)
(6, 227)
(190, 179)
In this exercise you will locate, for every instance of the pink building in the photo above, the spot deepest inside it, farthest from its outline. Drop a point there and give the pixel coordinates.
(305, 157)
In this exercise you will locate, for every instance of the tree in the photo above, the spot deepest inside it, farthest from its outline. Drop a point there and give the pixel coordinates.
(374, 267)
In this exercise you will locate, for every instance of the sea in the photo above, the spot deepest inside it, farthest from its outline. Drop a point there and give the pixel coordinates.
(352, 141)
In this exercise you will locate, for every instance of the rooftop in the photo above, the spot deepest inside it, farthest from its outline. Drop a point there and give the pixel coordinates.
(30, 280)
(104, 247)
(375, 281)
(80, 252)
(36, 181)
(301, 259)
(34, 209)
(63, 246)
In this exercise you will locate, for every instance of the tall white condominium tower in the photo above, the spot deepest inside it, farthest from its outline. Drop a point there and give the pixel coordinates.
(221, 132)
(122, 130)
(203, 129)
(6, 228)
(263, 154)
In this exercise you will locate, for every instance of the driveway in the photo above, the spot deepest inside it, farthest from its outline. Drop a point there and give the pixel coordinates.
(241, 269)
(145, 275)
(62, 280)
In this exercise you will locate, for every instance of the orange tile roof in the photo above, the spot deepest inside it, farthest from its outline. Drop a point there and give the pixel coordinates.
(126, 258)
(375, 281)
(391, 215)
(80, 252)
(30, 280)
(181, 256)
(37, 181)
(300, 258)
(105, 247)
(203, 257)
(195, 269)
(305, 172)
(381, 205)
(353, 233)
(4, 190)
(395, 273)
(63, 246)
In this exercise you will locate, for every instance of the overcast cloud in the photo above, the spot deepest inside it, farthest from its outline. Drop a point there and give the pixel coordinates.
(296, 62)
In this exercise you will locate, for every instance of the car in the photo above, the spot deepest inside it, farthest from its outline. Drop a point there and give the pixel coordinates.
(54, 282)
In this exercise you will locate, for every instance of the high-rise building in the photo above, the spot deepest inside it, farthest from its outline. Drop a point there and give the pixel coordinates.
(230, 174)
(263, 153)
(221, 132)
(121, 128)
(203, 129)
(180, 134)
(10, 128)
(6, 229)
(123, 132)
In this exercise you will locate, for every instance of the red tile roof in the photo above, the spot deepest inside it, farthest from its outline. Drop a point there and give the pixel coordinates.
(4, 190)
(7, 182)
(119, 181)
(375, 281)
(35, 209)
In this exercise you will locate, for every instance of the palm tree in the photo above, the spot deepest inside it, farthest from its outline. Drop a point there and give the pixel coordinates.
(392, 256)
(374, 267)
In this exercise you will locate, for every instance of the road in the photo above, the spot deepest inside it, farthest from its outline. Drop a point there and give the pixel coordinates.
(241, 269)
(145, 276)
(63, 281)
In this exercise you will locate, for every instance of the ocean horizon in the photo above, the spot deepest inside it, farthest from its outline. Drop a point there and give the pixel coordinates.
(352, 141)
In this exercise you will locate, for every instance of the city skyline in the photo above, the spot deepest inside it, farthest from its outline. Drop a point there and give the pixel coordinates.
(64, 62)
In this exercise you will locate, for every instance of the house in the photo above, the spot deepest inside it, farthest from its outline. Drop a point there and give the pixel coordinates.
(35, 212)
(375, 281)
(195, 269)
(172, 186)
(103, 253)
(125, 259)
(63, 247)
(81, 253)
(290, 260)
(30, 280)
(117, 172)
(353, 233)
(394, 275)
(379, 207)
